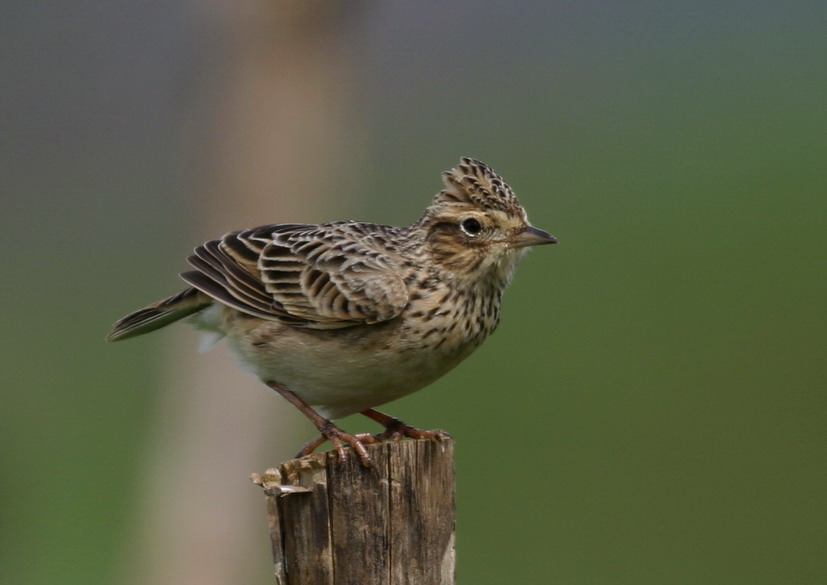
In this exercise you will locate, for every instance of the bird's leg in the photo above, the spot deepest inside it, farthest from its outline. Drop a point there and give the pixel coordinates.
(395, 429)
(311, 446)
(329, 431)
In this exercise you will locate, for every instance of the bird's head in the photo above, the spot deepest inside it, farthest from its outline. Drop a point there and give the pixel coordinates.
(475, 227)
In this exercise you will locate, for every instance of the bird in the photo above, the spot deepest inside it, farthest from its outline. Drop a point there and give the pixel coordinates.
(339, 318)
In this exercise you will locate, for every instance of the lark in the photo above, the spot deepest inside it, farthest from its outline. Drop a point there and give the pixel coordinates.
(342, 317)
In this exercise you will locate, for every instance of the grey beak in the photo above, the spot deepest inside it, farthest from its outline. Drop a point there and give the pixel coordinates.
(531, 236)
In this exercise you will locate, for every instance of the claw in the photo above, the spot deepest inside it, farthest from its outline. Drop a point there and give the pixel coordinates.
(329, 431)
(396, 430)
(311, 446)
(366, 438)
(339, 439)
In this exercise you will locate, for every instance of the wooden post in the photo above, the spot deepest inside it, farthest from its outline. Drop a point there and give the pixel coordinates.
(334, 523)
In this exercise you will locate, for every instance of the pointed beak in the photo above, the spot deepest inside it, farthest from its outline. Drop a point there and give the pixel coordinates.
(531, 236)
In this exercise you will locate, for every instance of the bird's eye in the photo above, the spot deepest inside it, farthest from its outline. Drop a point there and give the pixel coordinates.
(471, 226)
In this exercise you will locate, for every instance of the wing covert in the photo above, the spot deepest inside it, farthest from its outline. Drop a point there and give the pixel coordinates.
(321, 277)
(332, 277)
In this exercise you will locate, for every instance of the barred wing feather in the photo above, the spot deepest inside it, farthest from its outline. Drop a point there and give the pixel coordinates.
(319, 277)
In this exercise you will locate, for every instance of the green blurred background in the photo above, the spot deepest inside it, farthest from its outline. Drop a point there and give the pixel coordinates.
(651, 409)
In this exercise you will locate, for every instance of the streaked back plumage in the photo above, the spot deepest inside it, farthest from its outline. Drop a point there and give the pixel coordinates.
(345, 274)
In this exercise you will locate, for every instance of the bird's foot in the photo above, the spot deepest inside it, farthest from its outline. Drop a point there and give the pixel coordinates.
(396, 430)
(332, 433)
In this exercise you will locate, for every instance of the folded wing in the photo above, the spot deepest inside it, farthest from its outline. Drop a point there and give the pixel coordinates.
(319, 277)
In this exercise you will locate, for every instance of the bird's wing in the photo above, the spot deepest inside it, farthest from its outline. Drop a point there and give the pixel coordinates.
(316, 276)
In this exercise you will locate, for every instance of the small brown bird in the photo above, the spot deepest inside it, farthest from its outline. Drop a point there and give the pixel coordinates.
(341, 317)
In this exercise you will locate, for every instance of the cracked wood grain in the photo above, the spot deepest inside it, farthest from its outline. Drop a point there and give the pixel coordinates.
(334, 523)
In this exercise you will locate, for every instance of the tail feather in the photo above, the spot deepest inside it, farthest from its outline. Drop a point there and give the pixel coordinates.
(159, 314)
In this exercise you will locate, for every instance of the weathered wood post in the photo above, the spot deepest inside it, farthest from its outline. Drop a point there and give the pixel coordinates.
(334, 523)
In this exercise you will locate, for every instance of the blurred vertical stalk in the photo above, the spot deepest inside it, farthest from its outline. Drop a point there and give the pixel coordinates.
(270, 147)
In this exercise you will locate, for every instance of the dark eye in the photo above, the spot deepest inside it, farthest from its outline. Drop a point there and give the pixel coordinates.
(471, 226)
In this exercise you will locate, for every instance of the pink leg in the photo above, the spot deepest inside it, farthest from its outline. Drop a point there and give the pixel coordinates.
(395, 429)
(329, 431)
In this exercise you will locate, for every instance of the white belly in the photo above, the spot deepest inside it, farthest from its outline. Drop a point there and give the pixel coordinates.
(340, 383)
(340, 372)
(343, 371)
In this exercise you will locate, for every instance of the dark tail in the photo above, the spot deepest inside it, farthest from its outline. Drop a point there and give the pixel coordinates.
(159, 314)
